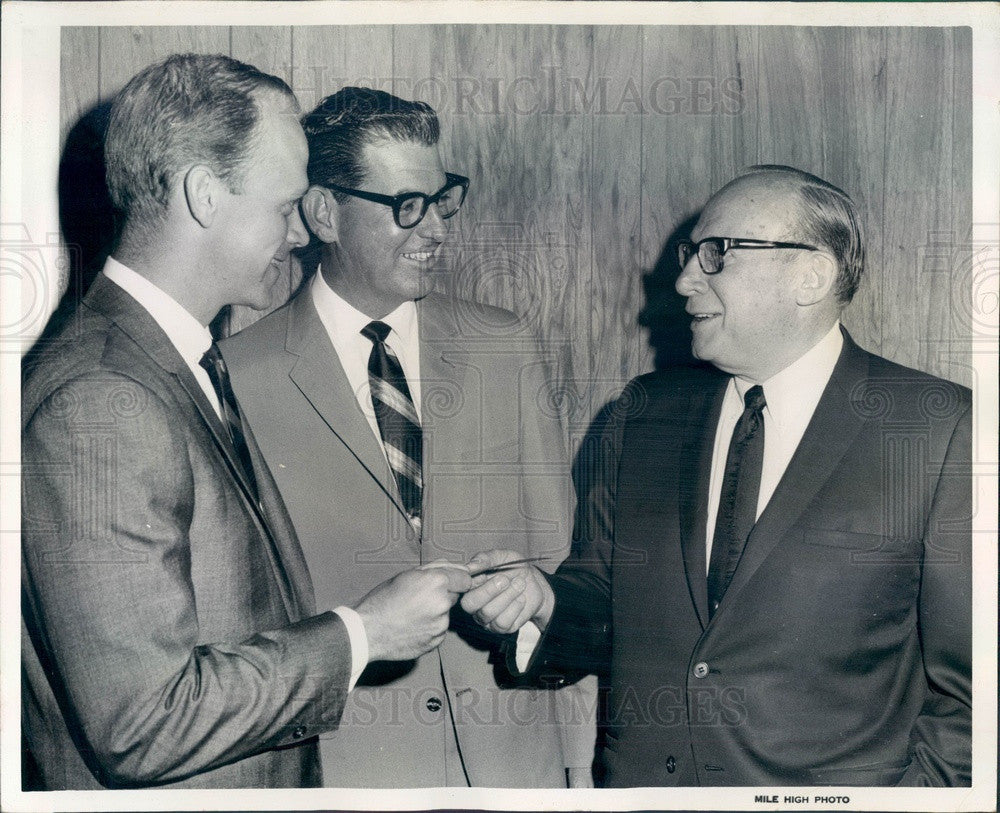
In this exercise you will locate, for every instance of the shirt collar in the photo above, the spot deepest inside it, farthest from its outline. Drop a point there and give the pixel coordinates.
(797, 389)
(189, 336)
(342, 318)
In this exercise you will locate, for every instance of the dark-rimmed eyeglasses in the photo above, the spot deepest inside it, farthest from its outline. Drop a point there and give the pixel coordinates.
(711, 250)
(409, 208)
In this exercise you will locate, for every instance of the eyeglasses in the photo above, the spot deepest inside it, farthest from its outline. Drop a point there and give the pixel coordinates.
(711, 250)
(409, 208)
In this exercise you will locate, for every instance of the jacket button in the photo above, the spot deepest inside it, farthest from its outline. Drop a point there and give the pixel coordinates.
(299, 732)
(671, 764)
(701, 669)
(434, 704)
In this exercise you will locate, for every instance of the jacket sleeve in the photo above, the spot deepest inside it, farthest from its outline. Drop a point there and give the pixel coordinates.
(940, 741)
(577, 640)
(109, 491)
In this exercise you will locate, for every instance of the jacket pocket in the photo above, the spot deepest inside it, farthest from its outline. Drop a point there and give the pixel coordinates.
(882, 774)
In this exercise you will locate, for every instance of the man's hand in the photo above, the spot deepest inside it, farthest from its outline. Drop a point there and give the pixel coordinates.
(503, 602)
(407, 615)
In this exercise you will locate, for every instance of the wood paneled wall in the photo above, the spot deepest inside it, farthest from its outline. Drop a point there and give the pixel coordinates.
(589, 146)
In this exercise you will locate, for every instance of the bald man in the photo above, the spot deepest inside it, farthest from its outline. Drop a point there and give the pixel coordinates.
(777, 570)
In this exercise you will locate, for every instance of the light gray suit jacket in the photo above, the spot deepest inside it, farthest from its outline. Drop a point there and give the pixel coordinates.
(495, 475)
(168, 634)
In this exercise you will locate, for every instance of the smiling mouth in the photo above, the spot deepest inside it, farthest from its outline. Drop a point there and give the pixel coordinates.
(697, 318)
(420, 256)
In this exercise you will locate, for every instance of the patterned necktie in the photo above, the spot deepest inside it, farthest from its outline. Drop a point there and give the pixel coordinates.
(397, 419)
(215, 366)
(738, 499)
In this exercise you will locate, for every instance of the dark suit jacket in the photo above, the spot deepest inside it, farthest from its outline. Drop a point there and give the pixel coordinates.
(495, 475)
(841, 651)
(168, 634)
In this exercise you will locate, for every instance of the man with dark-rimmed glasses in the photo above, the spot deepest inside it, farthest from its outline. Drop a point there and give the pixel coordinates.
(777, 568)
(410, 427)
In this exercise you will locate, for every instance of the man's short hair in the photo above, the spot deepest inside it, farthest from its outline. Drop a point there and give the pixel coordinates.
(187, 109)
(828, 218)
(343, 124)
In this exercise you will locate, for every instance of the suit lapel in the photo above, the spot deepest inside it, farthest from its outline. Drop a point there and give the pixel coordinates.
(135, 321)
(829, 435)
(320, 377)
(444, 365)
(694, 474)
(107, 298)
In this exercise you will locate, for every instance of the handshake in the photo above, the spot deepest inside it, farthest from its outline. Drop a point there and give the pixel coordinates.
(408, 615)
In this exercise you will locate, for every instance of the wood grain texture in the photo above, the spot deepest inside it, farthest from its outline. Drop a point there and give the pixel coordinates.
(824, 112)
(917, 216)
(79, 75)
(590, 146)
(613, 296)
(126, 50)
(699, 130)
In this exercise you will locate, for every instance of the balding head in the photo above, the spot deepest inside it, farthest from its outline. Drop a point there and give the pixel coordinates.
(822, 214)
(779, 254)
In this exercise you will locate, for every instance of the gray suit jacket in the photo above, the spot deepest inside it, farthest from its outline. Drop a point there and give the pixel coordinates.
(495, 475)
(168, 630)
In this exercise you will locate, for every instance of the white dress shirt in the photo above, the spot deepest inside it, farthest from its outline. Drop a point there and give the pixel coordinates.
(343, 323)
(791, 397)
(191, 339)
(189, 336)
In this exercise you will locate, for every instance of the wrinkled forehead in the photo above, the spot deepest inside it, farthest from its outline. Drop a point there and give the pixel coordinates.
(755, 206)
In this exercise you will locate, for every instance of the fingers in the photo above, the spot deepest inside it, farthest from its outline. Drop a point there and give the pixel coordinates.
(443, 563)
(503, 604)
(492, 558)
(513, 616)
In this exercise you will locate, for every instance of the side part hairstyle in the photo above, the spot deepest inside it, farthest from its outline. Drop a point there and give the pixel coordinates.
(185, 110)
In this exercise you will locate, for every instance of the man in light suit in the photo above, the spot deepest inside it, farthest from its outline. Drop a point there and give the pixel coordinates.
(170, 635)
(777, 571)
(411, 427)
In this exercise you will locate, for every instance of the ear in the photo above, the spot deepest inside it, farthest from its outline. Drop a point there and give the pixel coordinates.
(202, 193)
(817, 278)
(322, 212)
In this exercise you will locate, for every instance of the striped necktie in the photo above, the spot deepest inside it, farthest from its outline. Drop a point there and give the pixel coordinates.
(397, 419)
(215, 366)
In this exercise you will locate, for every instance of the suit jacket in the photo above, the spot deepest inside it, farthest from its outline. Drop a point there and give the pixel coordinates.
(841, 651)
(168, 634)
(495, 475)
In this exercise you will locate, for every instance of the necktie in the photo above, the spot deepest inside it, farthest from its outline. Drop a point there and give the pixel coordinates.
(397, 419)
(215, 366)
(738, 500)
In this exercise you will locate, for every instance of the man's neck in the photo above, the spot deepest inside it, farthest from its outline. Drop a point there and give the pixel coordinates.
(168, 270)
(356, 296)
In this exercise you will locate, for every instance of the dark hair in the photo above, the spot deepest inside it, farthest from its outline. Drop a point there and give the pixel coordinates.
(828, 218)
(187, 109)
(343, 124)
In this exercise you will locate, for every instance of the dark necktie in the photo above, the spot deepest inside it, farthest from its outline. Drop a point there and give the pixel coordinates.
(738, 499)
(215, 366)
(397, 419)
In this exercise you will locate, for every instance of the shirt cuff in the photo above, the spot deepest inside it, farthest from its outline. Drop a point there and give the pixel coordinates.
(359, 642)
(527, 641)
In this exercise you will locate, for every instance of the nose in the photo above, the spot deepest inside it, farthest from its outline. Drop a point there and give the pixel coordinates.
(433, 226)
(297, 235)
(691, 279)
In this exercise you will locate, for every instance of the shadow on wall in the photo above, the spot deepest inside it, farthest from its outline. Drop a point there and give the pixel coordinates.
(86, 216)
(664, 315)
